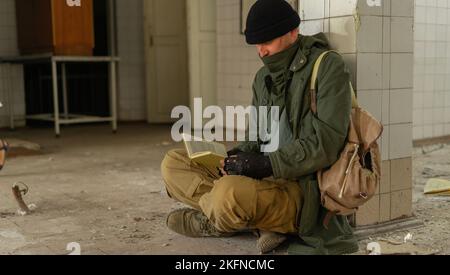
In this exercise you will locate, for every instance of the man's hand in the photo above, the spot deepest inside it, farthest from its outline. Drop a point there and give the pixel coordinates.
(230, 153)
(251, 165)
(233, 152)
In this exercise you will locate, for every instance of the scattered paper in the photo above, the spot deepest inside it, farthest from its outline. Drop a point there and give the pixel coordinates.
(438, 187)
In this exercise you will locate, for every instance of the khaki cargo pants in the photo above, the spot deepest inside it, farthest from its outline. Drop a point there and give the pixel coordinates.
(233, 203)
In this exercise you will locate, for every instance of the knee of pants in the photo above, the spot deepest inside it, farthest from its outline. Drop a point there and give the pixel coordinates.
(227, 188)
(232, 199)
(171, 162)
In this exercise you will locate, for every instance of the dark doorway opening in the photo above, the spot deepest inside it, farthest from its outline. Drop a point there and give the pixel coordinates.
(87, 84)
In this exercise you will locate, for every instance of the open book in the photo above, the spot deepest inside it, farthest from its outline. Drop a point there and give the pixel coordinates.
(206, 154)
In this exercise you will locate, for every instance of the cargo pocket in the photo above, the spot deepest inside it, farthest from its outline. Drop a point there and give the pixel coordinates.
(197, 189)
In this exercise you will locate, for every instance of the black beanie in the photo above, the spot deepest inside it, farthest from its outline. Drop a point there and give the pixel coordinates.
(270, 19)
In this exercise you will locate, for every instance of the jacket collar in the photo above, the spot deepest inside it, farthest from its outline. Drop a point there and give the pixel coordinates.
(281, 61)
(301, 58)
(306, 44)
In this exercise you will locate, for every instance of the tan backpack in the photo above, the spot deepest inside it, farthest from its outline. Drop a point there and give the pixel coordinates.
(353, 180)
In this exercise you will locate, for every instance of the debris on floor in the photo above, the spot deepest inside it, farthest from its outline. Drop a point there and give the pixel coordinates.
(437, 187)
(408, 238)
(373, 249)
(20, 148)
(74, 190)
(393, 247)
(18, 193)
(431, 173)
(390, 248)
(432, 148)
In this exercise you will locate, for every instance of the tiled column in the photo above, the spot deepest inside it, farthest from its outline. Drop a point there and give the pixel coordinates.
(377, 44)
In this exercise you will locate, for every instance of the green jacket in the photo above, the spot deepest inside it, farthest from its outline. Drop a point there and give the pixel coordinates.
(318, 139)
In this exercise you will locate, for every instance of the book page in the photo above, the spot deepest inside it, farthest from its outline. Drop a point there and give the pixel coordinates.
(201, 147)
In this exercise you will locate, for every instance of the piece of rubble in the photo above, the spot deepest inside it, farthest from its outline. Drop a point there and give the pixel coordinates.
(21, 213)
(19, 143)
(408, 237)
(373, 248)
(18, 194)
(432, 148)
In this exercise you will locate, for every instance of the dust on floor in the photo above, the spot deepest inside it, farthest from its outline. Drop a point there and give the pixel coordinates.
(105, 192)
(431, 161)
(100, 190)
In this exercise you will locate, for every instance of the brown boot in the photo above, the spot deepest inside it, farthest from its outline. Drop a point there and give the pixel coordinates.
(269, 241)
(193, 223)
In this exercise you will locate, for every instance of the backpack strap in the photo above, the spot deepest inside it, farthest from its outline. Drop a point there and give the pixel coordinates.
(313, 84)
(313, 93)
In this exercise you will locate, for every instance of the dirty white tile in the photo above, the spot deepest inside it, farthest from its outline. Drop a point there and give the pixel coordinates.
(400, 141)
(402, 8)
(372, 102)
(402, 70)
(342, 7)
(369, 71)
(401, 102)
(343, 34)
(370, 34)
(402, 37)
(312, 9)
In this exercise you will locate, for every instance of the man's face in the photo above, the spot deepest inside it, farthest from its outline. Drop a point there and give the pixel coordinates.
(278, 44)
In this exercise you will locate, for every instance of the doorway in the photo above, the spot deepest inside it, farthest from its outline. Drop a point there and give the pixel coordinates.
(180, 47)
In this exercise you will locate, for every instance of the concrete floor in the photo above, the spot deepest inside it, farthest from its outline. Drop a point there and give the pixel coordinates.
(101, 190)
(105, 192)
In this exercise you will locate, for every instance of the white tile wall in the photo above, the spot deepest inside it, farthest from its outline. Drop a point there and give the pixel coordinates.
(381, 39)
(237, 62)
(431, 69)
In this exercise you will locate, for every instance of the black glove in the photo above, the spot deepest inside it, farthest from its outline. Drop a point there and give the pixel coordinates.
(256, 166)
(234, 152)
